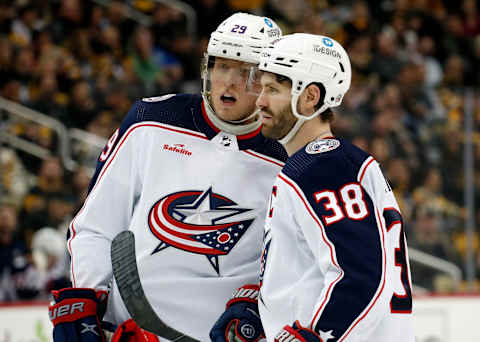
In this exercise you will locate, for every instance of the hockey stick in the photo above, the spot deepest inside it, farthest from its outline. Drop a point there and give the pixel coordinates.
(125, 272)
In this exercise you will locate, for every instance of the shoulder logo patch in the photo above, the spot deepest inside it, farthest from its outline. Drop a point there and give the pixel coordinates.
(158, 98)
(322, 145)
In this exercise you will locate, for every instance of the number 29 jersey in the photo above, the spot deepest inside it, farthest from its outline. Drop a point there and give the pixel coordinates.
(335, 255)
(194, 196)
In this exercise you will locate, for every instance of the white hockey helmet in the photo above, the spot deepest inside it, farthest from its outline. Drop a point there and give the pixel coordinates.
(240, 37)
(305, 59)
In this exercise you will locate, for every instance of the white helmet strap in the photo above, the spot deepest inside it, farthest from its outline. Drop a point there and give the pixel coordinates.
(255, 113)
(292, 132)
(301, 119)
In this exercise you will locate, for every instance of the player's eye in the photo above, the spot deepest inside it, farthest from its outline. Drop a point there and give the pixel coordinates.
(224, 66)
(272, 90)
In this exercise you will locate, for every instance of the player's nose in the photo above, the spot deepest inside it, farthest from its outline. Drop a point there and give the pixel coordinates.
(231, 77)
(261, 101)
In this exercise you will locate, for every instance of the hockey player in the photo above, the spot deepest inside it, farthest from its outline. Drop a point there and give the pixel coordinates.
(190, 176)
(335, 263)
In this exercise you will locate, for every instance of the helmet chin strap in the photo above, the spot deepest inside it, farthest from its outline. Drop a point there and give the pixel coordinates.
(256, 112)
(293, 131)
(300, 119)
(231, 126)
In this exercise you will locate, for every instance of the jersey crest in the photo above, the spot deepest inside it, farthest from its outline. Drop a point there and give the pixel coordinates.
(201, 222)
(322, 145)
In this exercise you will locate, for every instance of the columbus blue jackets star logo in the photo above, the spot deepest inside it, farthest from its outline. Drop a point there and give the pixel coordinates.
(201, 222)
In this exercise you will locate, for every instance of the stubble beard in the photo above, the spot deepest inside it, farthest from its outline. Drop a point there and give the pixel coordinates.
(283, 122)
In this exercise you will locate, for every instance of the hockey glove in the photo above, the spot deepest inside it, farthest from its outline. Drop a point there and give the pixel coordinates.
(240, 322)
(297, 333)
(76, 314)
(129, 331)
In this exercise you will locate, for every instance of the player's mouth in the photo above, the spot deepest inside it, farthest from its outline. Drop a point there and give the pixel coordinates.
(265, 117)
(228, 99)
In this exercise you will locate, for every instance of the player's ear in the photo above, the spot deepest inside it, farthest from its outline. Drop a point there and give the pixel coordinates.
(309, 99)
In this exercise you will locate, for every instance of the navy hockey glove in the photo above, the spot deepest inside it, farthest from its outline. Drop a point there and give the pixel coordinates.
(76, 315)
(297, 333)
(240, 322)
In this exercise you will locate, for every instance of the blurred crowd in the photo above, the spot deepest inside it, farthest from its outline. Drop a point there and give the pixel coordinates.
(85, 62)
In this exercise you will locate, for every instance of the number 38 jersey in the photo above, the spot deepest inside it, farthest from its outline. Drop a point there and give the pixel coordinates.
(335, 255)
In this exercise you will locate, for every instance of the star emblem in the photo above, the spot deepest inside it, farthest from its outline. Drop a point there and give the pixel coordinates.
(199, 221)
(326, 335)
(203, 211)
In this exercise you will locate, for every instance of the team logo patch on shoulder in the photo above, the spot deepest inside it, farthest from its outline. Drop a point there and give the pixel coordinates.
(158, 98)
(322, 145)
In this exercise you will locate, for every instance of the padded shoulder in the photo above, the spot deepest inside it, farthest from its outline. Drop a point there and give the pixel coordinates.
(171, 109)
(326, 163)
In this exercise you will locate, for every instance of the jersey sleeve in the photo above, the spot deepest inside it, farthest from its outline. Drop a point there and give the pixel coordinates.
(108, 207)
(338, 220)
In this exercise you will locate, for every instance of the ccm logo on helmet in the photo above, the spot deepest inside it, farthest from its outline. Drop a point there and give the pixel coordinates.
(66, 309)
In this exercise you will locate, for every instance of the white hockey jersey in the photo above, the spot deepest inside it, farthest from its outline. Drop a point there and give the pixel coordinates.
(335, 255)
(195, 198)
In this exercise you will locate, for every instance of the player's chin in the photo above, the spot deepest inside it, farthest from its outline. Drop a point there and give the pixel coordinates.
(268, 131)
(231, 113)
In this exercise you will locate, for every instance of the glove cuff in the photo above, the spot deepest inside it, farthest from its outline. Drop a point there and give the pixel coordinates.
(297, 332)
(70, 310)
(246, 293)
(77, 292)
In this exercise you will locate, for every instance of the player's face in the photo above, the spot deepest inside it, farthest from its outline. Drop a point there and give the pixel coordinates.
(274, 104)
(229, 97)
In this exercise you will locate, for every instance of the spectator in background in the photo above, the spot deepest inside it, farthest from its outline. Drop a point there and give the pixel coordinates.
(47, 99)
(428, 236)
(386, 61)
(451, 151)
(24, 70)
(431, 192)
(379, 148)
(10, 89)
(154, 78)
(50, 182)
(59, 211)
(14, 180)
(359, 23)
(399, 176)
(51, 260)
(22, 27)
(471, 15)
(6, 53)
(82, 108)
(80, 183)
(18, 277)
